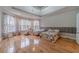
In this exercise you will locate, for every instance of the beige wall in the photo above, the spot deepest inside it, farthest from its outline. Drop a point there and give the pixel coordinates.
(66, 19)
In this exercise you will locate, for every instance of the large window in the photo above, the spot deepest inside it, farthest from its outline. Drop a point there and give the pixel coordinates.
(24, 24)
(36, 25)
(9, 24)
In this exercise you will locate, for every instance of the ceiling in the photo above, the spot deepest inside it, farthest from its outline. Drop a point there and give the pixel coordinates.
(43, 10)
(38, 10)
(40, 7)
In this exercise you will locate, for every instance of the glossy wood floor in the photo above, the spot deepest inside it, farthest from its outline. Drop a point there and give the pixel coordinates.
(34, 44)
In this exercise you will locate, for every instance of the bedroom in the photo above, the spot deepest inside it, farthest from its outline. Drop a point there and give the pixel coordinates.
(39, 29)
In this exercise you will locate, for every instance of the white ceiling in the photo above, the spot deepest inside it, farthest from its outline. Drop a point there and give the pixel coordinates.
(40, 7)
(39, 10)
(18, 12)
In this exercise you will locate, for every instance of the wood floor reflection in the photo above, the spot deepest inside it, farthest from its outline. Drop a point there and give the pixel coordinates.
(35, 44)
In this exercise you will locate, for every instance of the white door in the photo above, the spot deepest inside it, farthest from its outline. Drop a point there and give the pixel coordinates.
(77, 26)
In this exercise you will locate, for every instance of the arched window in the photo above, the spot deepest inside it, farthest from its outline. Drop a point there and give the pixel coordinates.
(36, 25)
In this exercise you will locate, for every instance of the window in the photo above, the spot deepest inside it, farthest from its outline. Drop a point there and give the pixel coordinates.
(9, 24)
(24, 24)
(36, 25)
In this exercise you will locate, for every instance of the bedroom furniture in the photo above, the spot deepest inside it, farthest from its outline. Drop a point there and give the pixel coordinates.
(4, 36)
(10, 35)
(51, 35)
(37, 32)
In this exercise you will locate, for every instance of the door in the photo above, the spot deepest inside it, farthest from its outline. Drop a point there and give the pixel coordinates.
(77, 28)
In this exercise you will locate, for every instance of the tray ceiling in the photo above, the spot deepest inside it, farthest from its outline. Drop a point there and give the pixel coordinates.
(43, 10)
(40, 7)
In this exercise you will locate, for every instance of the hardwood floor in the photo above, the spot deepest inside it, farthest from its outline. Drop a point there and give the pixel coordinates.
(34, 44)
